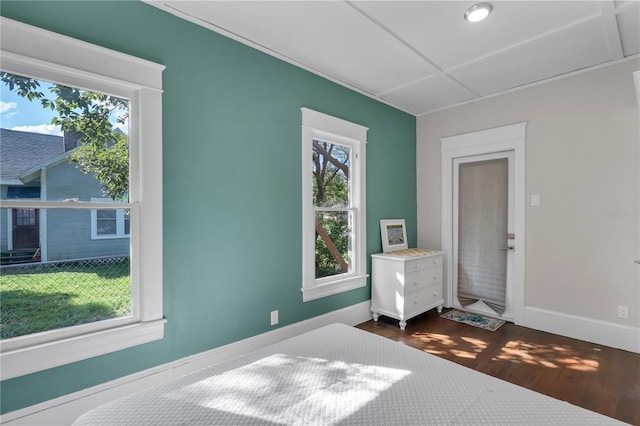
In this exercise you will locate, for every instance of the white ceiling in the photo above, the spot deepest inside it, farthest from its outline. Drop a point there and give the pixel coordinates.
(422, 56)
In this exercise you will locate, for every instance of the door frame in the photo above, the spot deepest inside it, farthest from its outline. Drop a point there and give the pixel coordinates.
(13, 212)
(506, 138)
(509, 156)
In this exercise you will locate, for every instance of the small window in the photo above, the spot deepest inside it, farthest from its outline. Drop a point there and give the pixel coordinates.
(109, 223)
(334, 231)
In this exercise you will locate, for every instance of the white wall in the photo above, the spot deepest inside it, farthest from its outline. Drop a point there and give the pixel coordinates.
(583, 158)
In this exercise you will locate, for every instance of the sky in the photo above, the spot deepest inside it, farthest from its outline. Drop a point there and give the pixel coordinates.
(17, 113)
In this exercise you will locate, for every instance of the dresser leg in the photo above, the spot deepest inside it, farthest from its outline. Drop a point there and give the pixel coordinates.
(439, 308)
(375, 316)
(403, 325)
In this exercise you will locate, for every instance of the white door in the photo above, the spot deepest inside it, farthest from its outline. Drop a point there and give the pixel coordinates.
(483, 234)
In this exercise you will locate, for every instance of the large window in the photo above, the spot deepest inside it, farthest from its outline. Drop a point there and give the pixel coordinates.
(70, 214)
(333, 196)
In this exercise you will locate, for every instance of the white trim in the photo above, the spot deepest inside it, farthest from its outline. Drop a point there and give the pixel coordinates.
(506, 138)
(24, 361)
(334, 287)
(636, 80)
(36, 53)
(319, 126)
(62, 53)
(65, 409)
(326, 124)
(44, 238)
(69, 204)
(588, 329)
(9, 228)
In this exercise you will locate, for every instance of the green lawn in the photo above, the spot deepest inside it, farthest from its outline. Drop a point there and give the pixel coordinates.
(40, 298)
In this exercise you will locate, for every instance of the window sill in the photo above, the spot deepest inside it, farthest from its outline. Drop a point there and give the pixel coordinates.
(19, 362)
(110, 237)
(318, 291)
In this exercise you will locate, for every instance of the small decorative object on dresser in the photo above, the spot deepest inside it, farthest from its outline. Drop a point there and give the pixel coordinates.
(406, 283)
(394, 235)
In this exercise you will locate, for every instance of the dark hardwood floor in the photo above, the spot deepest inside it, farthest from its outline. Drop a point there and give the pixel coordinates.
(595, 377)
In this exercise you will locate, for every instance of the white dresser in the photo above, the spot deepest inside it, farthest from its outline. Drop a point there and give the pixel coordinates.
(406, 283)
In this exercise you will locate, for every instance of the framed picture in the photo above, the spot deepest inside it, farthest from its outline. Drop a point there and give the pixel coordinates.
(394, 235)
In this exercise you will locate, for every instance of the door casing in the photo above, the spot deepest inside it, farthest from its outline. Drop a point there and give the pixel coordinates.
(500, 139)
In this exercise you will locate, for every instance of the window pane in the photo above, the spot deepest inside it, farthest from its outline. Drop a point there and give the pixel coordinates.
(106, 227)
(106, 222)
(330, 169)
(333, 243)
(26, 217)
(106, 214)
(85, 155)
(84, 280)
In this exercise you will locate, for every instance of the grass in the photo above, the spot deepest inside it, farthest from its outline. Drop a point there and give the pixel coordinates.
(45, 297)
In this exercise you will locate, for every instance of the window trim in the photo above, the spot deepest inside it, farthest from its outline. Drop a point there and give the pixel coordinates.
(120, 233)
(319, 126)
(37, 53)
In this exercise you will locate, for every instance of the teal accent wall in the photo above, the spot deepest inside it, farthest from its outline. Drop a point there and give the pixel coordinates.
(232, 190)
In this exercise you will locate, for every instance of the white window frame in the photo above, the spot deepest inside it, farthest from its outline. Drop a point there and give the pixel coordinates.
(120, 233)
(319, 126)
(36, 53)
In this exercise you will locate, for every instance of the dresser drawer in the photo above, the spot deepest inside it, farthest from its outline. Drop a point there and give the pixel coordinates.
(417, 301)
(422, 278)
(418, 264)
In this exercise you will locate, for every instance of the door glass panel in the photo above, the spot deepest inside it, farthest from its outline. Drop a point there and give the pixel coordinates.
(482, 232)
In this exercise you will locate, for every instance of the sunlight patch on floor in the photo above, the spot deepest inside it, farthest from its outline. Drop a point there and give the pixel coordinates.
(551, 356)
(468, 347)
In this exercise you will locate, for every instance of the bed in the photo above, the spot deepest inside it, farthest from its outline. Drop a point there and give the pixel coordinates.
(338, 375)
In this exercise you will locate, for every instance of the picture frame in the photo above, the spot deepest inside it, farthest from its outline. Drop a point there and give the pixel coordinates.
(394, 235)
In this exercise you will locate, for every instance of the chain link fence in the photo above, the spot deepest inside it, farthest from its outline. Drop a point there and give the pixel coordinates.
(36, 297)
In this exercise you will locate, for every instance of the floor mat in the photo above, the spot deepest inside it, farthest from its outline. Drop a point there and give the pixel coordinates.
(476, 320)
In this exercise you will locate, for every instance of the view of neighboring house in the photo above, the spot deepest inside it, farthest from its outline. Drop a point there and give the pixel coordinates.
(36, 166)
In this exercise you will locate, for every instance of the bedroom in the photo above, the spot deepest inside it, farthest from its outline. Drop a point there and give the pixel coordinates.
(246, 103)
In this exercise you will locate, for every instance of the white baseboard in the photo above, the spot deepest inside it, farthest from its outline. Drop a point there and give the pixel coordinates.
(65, 410)
(591, 330)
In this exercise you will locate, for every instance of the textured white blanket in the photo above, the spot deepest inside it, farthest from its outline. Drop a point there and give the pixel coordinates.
(344, 376)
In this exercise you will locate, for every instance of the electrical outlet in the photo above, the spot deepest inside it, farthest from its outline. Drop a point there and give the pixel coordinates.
(623, 312)
(274, 317)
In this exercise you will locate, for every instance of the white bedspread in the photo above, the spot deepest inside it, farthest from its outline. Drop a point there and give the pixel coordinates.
(339, 375)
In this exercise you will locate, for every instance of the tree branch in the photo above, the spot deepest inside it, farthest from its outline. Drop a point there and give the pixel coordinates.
(344, 267)
(335, 162)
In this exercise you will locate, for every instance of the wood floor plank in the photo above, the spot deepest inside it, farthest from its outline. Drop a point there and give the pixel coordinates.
(595, 377)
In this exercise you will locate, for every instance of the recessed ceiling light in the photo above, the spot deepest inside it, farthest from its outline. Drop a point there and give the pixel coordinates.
(478, 12)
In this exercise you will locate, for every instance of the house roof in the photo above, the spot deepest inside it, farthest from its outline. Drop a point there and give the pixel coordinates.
(23, 151)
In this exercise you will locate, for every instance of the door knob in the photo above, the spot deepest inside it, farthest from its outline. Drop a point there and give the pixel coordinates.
(508, 248)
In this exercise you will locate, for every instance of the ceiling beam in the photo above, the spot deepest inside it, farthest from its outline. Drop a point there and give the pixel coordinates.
(611, 30)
